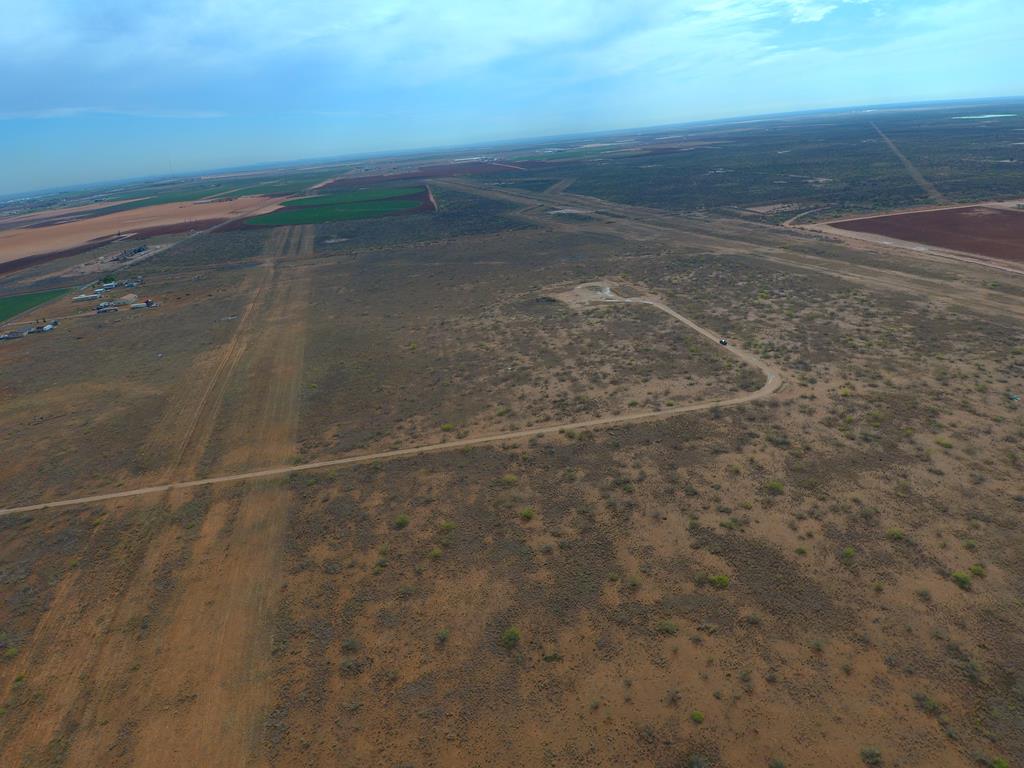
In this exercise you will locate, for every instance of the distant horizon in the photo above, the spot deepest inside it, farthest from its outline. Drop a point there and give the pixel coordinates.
(298, 163)
(98, 92)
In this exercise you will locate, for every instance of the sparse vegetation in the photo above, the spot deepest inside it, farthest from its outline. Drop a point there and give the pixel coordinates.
(510, 638)
(961, 579)
(871, 756)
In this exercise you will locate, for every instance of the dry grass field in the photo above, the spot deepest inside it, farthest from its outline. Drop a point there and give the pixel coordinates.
(829, 574)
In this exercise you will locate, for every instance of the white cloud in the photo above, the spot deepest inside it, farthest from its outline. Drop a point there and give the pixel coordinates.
(384, 34)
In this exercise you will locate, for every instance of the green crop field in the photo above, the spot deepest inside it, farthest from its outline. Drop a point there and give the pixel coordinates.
(343, 212)
(355, 196)
(15, 305)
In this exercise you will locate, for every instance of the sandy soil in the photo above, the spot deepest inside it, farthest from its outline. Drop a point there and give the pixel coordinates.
(26, 241)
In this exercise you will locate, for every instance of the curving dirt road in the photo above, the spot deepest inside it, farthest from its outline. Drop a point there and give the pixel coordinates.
(600, 293)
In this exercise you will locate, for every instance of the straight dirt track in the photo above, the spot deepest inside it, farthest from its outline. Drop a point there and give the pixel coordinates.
(773, 381)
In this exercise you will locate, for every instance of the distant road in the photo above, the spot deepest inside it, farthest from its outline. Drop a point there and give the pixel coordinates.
(917, 176)
(773, 381)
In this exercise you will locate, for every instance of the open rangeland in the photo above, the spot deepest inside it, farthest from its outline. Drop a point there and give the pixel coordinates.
(625, 544)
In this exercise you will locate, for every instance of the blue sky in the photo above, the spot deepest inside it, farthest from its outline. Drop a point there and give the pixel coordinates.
(105, 89)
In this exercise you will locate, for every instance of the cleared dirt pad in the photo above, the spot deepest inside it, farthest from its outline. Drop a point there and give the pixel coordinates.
(994, 232)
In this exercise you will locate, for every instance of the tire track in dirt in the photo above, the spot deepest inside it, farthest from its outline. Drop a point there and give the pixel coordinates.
(218, 630)
(145, 676)
(200, 425)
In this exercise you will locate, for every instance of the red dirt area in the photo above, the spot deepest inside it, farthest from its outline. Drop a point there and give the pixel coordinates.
(993, 232)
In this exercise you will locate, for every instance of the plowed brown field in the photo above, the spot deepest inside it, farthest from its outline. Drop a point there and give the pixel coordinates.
(994, 232)
(35, 240)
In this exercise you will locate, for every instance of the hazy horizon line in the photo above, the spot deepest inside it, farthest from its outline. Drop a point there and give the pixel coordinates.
(298, 163)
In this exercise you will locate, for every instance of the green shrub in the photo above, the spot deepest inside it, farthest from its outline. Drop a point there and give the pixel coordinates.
(510, 638)
(774, 487)
(666, 627)
(961, 579)
(401, 521)
(526, 513)
(697, 716)
(871, 756)
(927, 704)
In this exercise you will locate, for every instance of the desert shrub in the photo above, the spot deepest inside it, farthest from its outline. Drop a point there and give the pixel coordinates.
(666, 627)
(871, 756)
(927, 704)
(510, 638)
(401, 521)
(961, 579)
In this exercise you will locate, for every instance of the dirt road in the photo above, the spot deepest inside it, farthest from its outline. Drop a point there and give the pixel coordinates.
(916, 175)
(195, 605)
(785, 246)
(773, 380)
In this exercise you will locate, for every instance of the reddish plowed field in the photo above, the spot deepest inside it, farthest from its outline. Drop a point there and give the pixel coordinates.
(994, 232)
